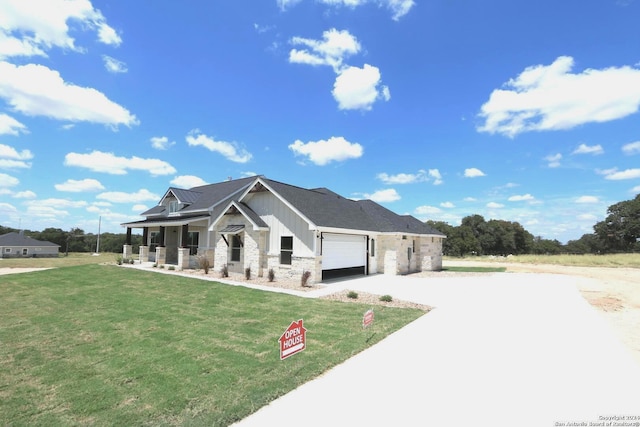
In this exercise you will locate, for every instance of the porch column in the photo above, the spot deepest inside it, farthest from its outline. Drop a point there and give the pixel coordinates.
(183, 258)
(161, 255)
(127, 250)
(161, 237)
(143, 255)
(184, 241)
(145, 236)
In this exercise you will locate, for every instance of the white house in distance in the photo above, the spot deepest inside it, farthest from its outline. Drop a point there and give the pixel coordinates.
(262, 224)
(17, 245)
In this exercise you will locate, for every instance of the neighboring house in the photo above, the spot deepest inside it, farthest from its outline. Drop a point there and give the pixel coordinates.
(17, 245)
(262, 224)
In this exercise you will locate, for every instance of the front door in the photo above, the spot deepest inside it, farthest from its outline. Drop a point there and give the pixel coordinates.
(235, 254)
(171, 243)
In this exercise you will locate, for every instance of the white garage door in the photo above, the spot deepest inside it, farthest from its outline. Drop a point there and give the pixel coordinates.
(343, 251)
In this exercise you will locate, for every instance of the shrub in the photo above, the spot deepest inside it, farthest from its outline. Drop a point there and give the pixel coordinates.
(304, 281)
(203, 263)
(247, 273)
(224, 271)
(271, 275)
(155, 264)
(119, 259)
(131, 261)
(352, 295)
(161, 266)
(386, 298)
(171, 267)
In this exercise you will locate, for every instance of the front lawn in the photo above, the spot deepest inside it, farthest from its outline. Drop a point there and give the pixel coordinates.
(106, 345)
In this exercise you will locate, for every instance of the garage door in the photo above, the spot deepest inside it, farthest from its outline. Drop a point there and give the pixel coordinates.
(343, 255)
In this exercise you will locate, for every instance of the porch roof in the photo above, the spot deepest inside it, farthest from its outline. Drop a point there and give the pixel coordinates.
(165, 222)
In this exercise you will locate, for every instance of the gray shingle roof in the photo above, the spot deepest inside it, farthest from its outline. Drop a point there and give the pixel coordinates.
(328, 209)
(321, 206)
(18, 239)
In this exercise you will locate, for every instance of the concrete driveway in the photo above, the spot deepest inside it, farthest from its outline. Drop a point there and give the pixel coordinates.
(505, 349)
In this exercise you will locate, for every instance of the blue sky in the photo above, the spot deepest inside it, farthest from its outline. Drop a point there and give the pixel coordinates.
(520, 111)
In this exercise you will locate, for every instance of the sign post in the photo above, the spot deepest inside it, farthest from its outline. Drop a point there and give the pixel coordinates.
(293, 340)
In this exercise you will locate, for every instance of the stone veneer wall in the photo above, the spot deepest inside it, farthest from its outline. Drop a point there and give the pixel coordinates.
(298, 266)
(395, 260)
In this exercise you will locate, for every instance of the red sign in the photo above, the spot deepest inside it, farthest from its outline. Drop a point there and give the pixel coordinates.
(367, 319)
(293, 340)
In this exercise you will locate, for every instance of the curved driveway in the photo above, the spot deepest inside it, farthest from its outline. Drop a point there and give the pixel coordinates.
(505, 349)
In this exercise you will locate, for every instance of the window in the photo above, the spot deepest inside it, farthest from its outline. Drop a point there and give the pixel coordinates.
(236, 244)
(155, 241)
(373, 248)
(7, 250)
(192, 242)
(25, 251)
(286, 249)
(414, 245)
(173, 207)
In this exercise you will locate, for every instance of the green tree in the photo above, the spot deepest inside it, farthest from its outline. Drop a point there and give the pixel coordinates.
(620, 231)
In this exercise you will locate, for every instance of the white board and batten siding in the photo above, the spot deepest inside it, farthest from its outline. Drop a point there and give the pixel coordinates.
(282, 221)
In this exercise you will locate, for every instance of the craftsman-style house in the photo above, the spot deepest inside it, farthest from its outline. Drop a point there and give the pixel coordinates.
(262, 224)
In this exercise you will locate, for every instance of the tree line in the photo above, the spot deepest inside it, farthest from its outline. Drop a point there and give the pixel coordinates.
(76, 240)
(618, 232)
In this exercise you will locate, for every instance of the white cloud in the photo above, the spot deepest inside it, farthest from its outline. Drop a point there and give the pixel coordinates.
(139, 208)
(24, 32)
(427, 210)
(587, 199)
(398, 8)
(122, 197)
(285, 4)
(358, 88)
(437, 177)
(586, 149)
(494, 205)
(383, 196)
(403, 178)
(52, 209)
(473, 173)
(230, 150)
(335, 149)
(10, 126)
(553, 160)
(552, 98)
(161, 142)
(28, 194)
(625, 174)
(99, 161)
(35, 90)
(521, 198)
(631, 148)
(635, 189)
(447, 205)
(8, 181)
(188, 181)
(79, 186)
(470, 199)
(588, 217)
(113, 65)
(331, 50)
(10, 158)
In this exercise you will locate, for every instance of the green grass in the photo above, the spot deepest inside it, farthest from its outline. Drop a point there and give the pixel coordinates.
(72, 259)
(106, 345)
(587, 260)
(475, 269)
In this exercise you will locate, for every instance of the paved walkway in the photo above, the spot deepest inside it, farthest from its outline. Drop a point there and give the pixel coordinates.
(508, 349)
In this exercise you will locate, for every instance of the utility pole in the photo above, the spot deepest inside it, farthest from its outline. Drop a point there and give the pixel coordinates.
(98, 242)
